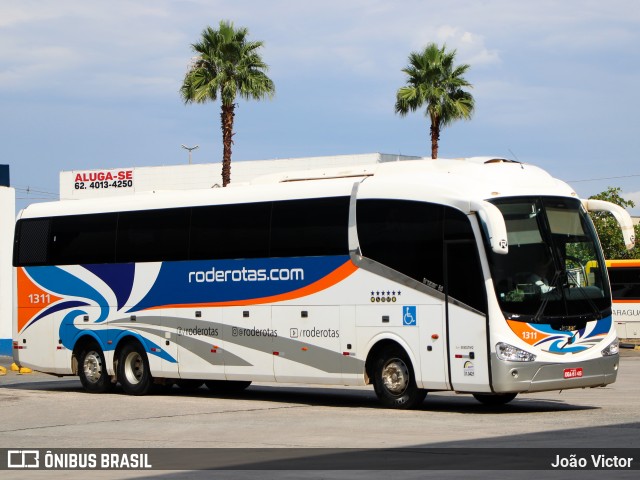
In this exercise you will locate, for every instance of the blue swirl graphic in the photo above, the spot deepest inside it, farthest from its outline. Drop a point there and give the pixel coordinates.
(63, 283)
(69, 335)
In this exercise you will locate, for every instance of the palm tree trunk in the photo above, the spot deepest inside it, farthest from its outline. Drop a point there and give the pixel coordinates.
(227, 140)
(435, 136)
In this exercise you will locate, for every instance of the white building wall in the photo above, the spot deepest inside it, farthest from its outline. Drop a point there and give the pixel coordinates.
(7, 223)
(119, 181)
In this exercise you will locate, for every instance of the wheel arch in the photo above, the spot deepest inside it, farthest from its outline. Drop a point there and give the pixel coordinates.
(379, 344)
(80, 342)
(126, 338)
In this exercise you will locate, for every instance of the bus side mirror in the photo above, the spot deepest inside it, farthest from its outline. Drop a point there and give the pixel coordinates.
(493, 221)
(620, 214)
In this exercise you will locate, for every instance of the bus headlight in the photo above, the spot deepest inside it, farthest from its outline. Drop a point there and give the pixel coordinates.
(612, 349)
(509, 353)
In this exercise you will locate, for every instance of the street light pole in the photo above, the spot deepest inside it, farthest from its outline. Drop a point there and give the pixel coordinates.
(190, 149)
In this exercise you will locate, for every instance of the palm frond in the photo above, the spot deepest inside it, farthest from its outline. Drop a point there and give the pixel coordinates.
(434, 81)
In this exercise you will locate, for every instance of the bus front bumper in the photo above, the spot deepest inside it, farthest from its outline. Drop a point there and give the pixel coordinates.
(544, 376)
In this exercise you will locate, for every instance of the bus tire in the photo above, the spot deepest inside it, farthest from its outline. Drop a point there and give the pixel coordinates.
(226, 386)
(494, 399)
(92, 369)
(133, 369)
(394, 380)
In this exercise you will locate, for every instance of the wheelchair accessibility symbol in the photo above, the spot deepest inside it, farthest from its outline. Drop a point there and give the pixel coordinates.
(409, 316)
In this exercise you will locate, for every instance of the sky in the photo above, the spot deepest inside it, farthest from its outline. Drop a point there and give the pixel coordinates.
(94, 84)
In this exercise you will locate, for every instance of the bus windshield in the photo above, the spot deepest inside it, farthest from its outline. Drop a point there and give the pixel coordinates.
(543, 278)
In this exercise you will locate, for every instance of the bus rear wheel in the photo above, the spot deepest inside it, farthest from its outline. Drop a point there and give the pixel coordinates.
(133, 370)
(92, 369)
(494, 399)
(394, 380)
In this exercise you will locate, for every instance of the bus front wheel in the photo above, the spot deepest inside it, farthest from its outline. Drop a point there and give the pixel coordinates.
(92, 369)
(133, 370)
(394, 381)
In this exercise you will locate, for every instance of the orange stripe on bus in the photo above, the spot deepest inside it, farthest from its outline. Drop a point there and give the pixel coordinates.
(27, 292)
(330, 280)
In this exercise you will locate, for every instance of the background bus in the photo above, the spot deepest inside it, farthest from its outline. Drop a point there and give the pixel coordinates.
(624, 276)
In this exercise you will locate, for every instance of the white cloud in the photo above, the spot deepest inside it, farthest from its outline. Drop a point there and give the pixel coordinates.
(542, 71)
(470, 47)
(359, 37)
(77, 47)
(634, 197)
(32, 67)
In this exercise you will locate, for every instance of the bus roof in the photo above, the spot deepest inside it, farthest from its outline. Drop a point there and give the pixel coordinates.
(443, 181)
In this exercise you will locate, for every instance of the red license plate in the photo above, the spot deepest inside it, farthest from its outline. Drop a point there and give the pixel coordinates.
(572, 372)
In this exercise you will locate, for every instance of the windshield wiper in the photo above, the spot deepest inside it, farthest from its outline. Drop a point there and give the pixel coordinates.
(560, 282)
(589, 300)
(553, 283)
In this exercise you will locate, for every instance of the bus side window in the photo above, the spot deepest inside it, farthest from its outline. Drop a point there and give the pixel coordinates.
(94, 242)
(153, 235)
(625, 283)
(404, 235)
(465, 281)
(230, 231)
(32, 242)
(312, 227)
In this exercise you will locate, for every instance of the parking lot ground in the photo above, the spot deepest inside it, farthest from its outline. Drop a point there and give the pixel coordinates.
(41, 411)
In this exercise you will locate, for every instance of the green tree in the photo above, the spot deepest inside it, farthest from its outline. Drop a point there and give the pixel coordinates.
(608, 229)
(435, 81)
(226, 65)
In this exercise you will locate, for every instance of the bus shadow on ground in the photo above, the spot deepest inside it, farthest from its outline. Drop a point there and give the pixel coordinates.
(330, 397)
(434, 402)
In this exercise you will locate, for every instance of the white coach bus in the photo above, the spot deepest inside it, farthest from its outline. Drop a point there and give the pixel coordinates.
(416, 276)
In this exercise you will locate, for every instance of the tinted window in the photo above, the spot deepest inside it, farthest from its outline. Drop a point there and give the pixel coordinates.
(410, 237)
(406, 236)
(32, 242)
(310, 227)
(465, 281)
(153, 235)
(230, 231)
(256, 230)
(625, 283)
(83, 239)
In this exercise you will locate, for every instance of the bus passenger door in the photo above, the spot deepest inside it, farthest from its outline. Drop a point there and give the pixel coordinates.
(466, 318)
(430, 320)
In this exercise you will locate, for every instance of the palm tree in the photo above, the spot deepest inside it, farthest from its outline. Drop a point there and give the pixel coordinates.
(434, 80)
(226, 65)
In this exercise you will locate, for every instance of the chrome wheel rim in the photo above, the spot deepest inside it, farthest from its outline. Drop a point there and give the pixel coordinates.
(92, 367)
(134, 368)
(395, 376)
